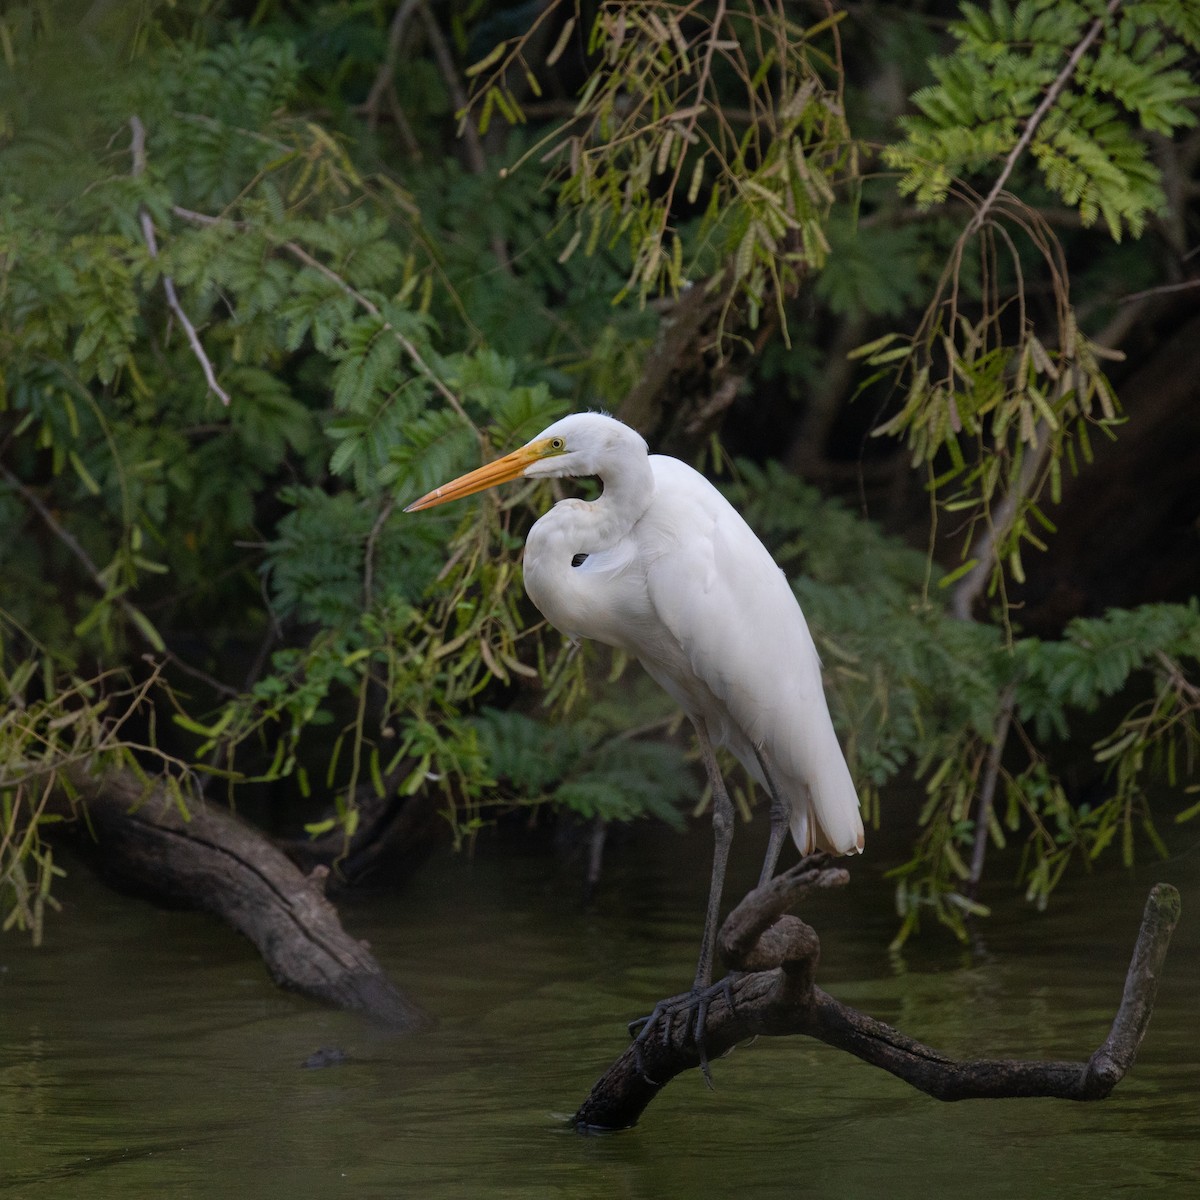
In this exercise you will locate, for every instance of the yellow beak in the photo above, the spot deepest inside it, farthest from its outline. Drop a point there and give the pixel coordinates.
(511, 466)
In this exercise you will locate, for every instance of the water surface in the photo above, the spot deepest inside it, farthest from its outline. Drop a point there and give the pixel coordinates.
(145, 1054)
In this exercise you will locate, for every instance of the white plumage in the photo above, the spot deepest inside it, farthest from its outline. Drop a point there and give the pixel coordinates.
(677, 578)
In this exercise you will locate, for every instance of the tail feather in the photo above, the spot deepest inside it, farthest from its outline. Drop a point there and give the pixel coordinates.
(825, 813)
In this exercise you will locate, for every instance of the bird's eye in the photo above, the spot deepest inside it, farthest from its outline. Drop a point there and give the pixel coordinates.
(557, 444)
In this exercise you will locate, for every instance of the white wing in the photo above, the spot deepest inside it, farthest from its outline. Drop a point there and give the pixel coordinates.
(736, 652)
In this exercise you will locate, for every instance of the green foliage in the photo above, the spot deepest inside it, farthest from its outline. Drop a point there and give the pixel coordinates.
(1149, 657)
(47, 732)
(654, 139)
(29, 733)
(211, 221)
(1109, 75)
(992, 407)
(853, 284)
(153, 512)
(594, 774)
(919, 693)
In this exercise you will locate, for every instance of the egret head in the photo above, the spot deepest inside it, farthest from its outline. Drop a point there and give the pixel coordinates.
(581, 444)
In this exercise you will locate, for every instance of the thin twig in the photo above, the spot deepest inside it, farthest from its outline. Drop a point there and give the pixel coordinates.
(135, 616)
(213, 860)
(387, 70)
(381, 519)
(137, 150)
(1185, 285)
(476, 158)
(987, 792)
(1039, 115)
(65, 536)
(297, 251)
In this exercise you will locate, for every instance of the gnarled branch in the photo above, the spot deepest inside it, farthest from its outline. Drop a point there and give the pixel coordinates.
(772, 993)
(210, 859)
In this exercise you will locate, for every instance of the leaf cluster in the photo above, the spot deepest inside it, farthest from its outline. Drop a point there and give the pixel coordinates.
(597, 773)
(50, 726)
(1114, 73)
(704, 142)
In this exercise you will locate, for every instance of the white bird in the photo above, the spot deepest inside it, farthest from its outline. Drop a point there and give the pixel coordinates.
(661, 566)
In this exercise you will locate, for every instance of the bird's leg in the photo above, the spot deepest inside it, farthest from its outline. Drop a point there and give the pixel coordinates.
(702, 991)
(779, 822)
(722, 820)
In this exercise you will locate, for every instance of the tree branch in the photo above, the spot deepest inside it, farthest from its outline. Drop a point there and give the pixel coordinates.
(208, 858)
(679, 345)
(1038, 115)
(987, 791)
(365, 302)
(137, 150)
(772, 993)
(387, 69)
(1000, 520)
(476, 158)
(971, 586)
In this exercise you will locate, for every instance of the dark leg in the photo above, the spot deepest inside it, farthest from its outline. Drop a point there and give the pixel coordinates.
(702, 992)
(722, 820)
(779, 822)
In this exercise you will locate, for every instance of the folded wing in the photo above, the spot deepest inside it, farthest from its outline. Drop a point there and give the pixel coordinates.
(755, 674)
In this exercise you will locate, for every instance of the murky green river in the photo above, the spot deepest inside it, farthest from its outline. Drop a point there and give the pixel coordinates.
(145, 1054)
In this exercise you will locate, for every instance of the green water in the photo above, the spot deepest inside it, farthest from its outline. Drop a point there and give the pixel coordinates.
(145, 1054)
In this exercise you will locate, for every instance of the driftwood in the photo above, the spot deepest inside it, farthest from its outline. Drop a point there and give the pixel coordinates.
(772, 993)
(213, 860)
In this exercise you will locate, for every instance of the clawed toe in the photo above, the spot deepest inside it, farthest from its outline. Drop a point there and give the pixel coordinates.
(697, 1001)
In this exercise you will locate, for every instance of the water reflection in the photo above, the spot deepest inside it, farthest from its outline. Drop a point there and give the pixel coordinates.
(145, 1054)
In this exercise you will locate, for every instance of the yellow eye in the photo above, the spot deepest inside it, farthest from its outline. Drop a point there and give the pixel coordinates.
(557, 444)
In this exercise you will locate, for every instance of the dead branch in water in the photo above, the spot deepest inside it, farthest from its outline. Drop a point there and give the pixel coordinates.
(772, 993)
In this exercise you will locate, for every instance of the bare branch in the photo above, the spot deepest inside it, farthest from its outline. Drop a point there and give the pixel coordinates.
(999, 521)
(137, 150)
(470, 135)
(987, 791)
(365, 302)
(387, 69)
(1185, 285)
(772, 993)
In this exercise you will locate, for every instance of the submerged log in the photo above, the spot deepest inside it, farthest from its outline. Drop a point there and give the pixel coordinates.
(208, 858)
(772, 993)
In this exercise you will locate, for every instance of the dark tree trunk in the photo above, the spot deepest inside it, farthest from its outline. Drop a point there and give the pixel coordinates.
(137, 837)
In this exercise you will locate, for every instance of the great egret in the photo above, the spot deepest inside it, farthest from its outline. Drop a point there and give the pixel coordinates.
(662, 566)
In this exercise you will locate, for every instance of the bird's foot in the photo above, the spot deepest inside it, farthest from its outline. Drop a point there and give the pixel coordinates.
(693, 1005)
